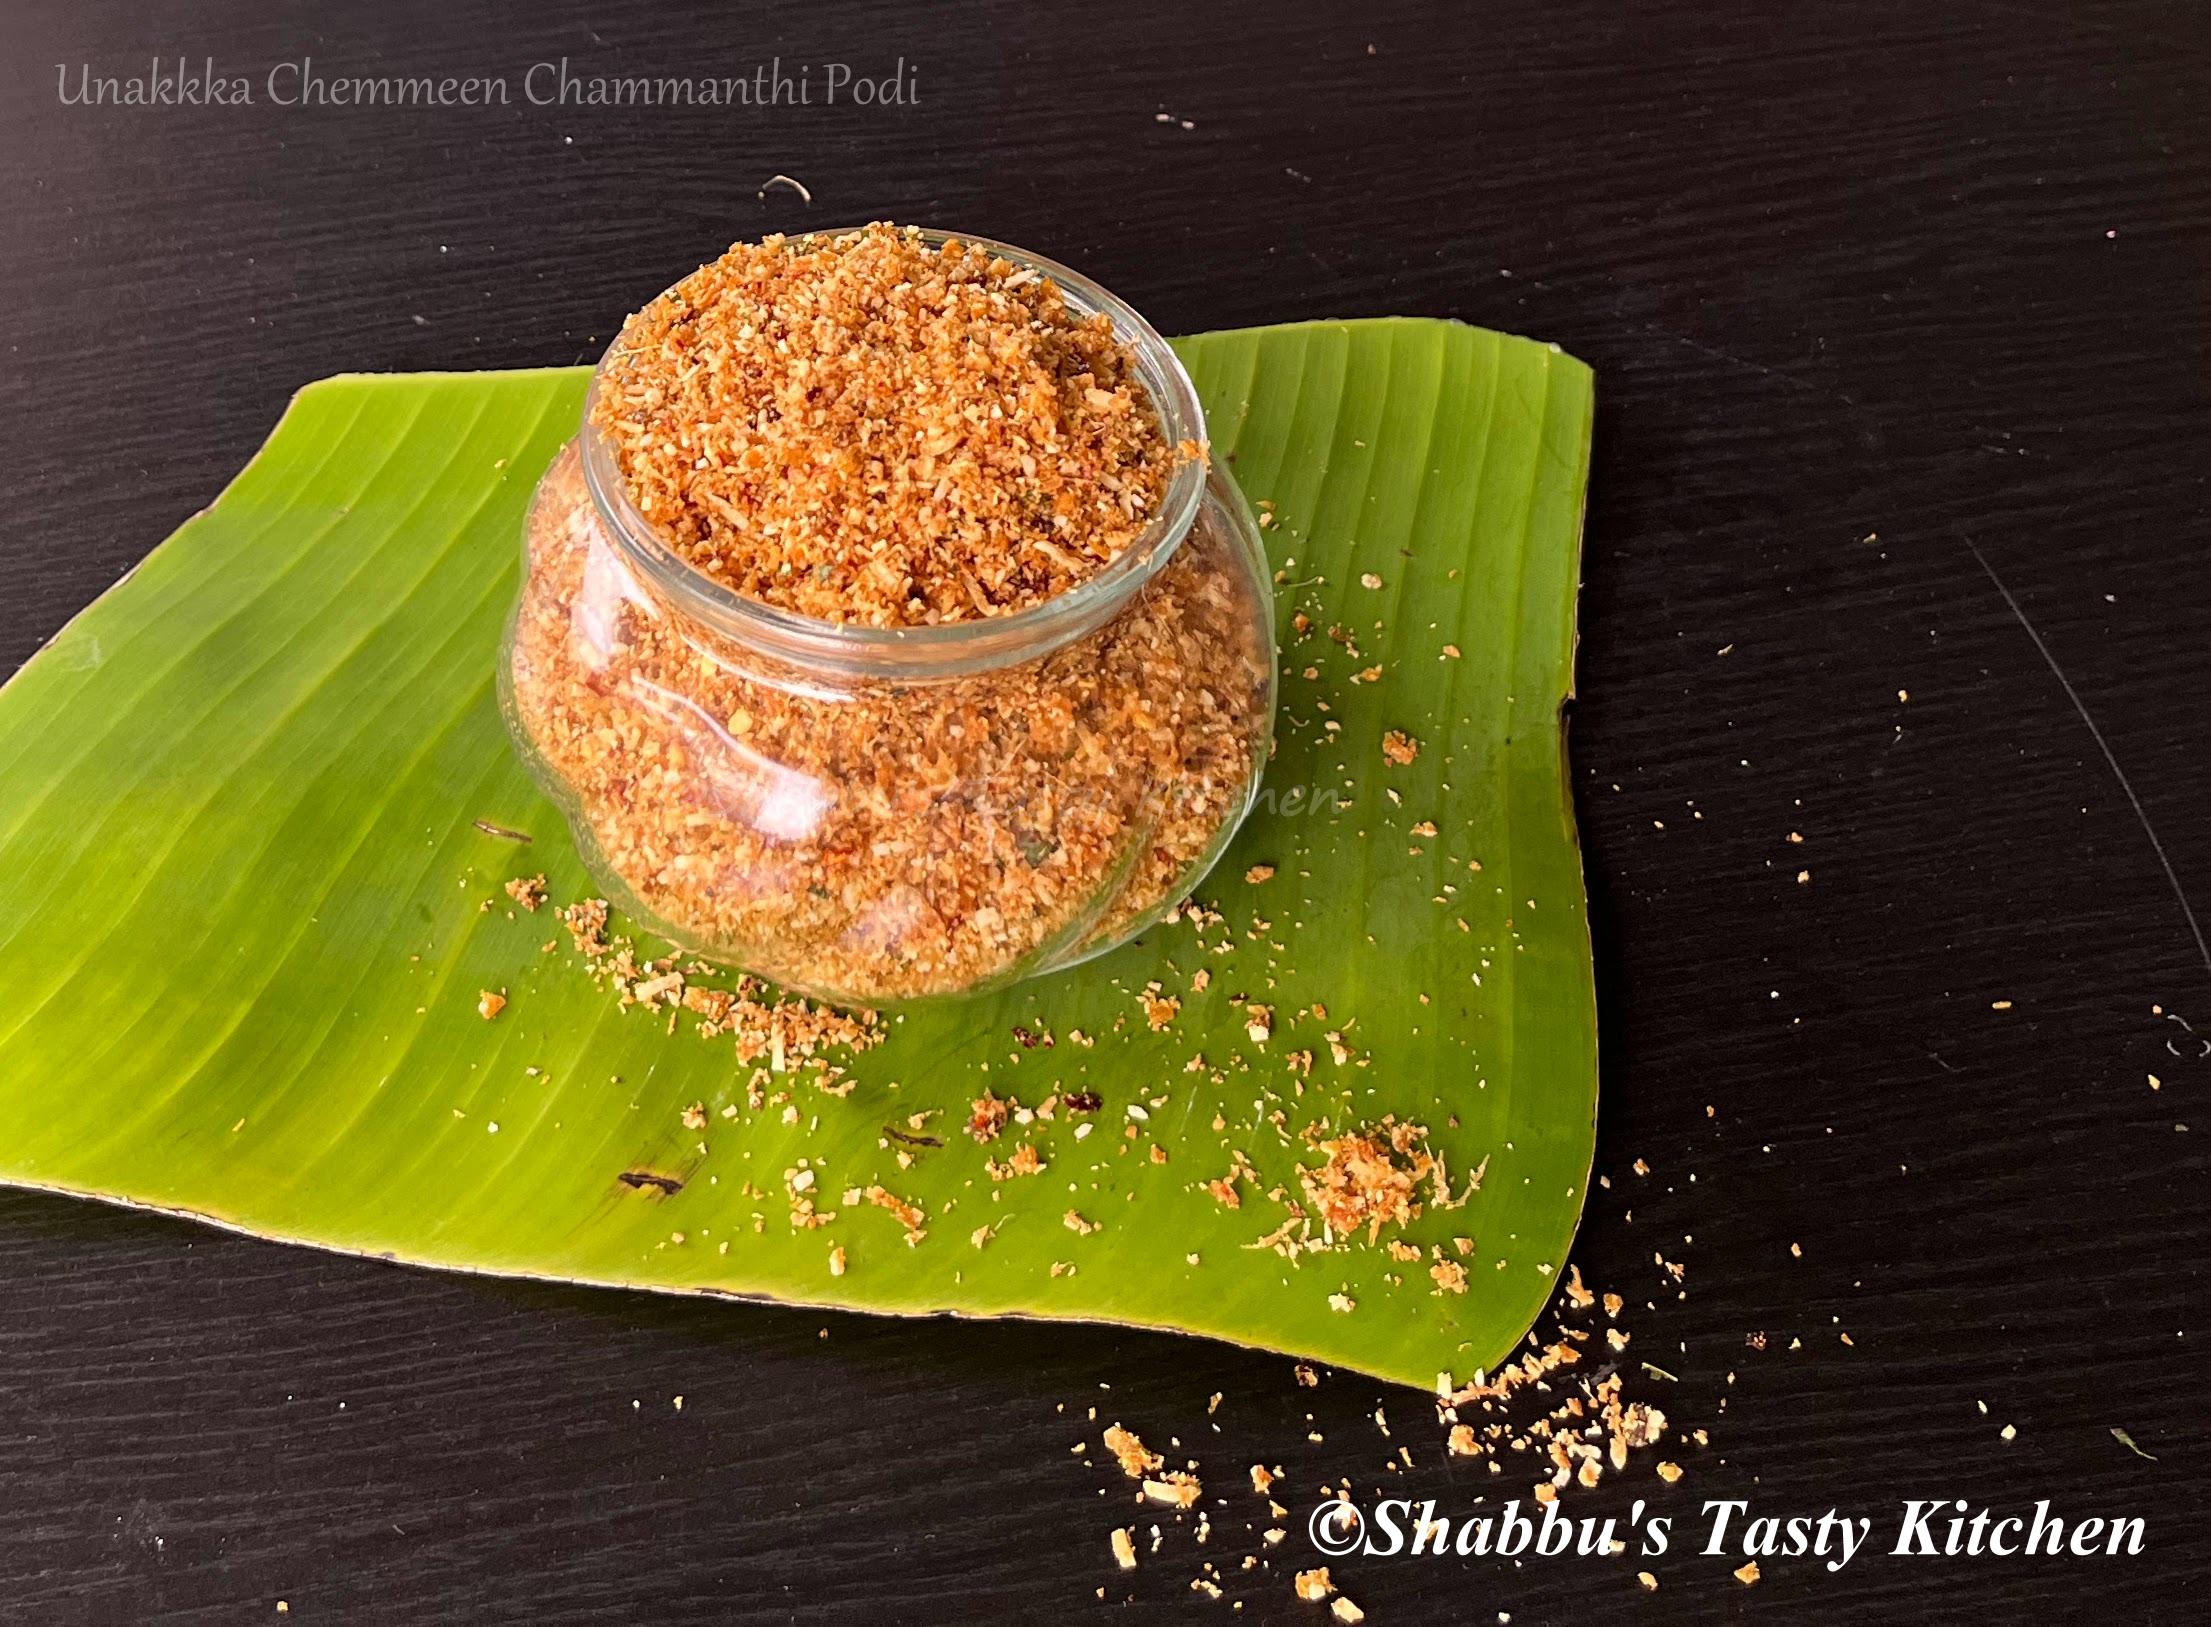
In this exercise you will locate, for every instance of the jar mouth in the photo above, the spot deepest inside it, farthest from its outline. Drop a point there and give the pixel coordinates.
(944, 648)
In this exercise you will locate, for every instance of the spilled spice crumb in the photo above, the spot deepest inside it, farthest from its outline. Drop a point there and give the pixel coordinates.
(1369, 1178)
(987, 1117)
(785, 1032)
(1136, 1459)
(1176, 1487)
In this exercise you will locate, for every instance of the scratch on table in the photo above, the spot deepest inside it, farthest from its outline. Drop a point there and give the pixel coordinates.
(2179, 895)
(2203, 1042)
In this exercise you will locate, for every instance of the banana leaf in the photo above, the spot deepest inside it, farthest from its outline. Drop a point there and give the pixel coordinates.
(257, 808)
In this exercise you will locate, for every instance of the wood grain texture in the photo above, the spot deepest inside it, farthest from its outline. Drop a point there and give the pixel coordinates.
(1927, 276)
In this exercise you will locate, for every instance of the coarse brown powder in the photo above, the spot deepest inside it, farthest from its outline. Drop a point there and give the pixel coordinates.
(876, 429)
(880, 430)
(890, 840)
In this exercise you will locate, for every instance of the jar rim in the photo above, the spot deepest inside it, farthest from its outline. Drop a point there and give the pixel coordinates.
(941, 648)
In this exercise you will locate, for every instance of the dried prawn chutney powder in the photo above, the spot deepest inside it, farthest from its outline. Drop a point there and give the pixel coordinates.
(885, 631)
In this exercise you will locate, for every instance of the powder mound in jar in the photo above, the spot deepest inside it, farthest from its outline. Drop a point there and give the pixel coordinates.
(871, 429)
(901, 840)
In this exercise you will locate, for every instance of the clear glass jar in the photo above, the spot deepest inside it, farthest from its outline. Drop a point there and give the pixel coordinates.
(875, 814)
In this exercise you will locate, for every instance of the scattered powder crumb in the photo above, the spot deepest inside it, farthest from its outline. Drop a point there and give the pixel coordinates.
(1024, 1161)
(782, 1032)
(908, 1215)
(1135, 1458)
(489, 1004)
(1176, 1487)
(1159, 1009)
(1369, 1178)
(1313, 1586)
(528, 891)
(988, 1117)
(1399, 748)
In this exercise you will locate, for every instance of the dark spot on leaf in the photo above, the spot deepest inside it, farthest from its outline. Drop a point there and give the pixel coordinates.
(911, 1140)
(642, 1180)
(500, 831)
(1083, 1101)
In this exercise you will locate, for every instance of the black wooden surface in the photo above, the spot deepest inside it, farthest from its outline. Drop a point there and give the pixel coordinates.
(1899, 318)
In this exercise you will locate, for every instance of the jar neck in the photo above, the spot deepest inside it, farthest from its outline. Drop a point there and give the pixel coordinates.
(807, 644)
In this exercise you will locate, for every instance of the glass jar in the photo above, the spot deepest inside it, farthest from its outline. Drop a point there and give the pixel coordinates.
(875, 814)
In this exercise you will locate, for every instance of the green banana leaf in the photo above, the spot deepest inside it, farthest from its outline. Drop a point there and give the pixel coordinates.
(255, 817)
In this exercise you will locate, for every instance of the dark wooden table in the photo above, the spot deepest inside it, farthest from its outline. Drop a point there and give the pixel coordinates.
(1899, 320)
